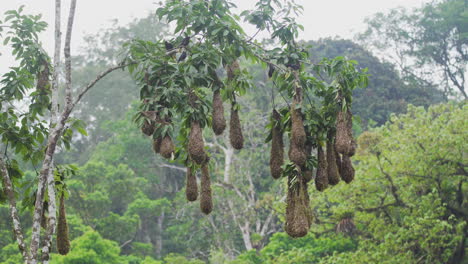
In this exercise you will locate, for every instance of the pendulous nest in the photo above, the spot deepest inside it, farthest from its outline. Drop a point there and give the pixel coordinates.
(206, 200)
(232, 70)
(219, 122)
(277, 147)
(298, 212)
(157, 145)
(191, 189)
(43, 83)
(147, 128)
(347, 169)
(196, 145)
(321, 179)
(297, 155)
(332, 168)
(344, 141)
(63, 242)
(298, 138)
(298, 134)
(346, 226)
(235, 131)
(167, 147)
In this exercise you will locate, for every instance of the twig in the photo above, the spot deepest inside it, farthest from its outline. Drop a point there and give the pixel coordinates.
(99, 77)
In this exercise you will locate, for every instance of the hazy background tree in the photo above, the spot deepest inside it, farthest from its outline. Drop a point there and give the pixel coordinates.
(428, 45)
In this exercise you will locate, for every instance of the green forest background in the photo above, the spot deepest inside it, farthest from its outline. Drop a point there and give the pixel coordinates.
(408, 203)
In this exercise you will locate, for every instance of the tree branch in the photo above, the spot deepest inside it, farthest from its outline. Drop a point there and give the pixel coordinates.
(98, 78)
(163, 165)
(68, 80)
(393, 188)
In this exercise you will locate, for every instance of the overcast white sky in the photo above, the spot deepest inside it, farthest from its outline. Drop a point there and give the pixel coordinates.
(321, 18)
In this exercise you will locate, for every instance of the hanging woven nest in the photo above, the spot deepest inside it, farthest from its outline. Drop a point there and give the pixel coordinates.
(147, 128)
(206, 199)
(346, 226)
(196, 145)
(43, 83)
(277, 147)
(298, 138)
(219, 122)
(167, 147)
(344, 141)
(332, 168)
(321, 179)
(232, 70)
(157, 145)
(63, 241)
(347, 169)
(298, 212)
(235, 131)
(298, 134)
(191, 188)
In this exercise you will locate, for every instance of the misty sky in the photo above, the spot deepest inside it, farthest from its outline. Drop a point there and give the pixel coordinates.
(321, 18)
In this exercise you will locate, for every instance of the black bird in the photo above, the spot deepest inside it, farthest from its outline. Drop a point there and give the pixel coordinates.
(295, 66)
(182, 56)
(271, 70)
(168, 45)
(185, 42)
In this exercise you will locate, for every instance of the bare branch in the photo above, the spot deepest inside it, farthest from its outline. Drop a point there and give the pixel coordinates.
(232, 187)
(163, 165)
(68, 81)
(93, 82)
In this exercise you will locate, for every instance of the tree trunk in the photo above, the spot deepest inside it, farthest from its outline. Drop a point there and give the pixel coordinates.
(245, 230)
(8, 188)
(159, 239)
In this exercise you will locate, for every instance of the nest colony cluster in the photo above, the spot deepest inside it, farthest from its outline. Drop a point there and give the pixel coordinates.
(333, 157)
(333, 163)
(334, 143)
(197, 156)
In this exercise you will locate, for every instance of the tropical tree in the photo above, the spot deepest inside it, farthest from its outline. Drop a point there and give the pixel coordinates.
(408, 204)
(33, 124)
(387, 93)
(428, 42)
(182, 89)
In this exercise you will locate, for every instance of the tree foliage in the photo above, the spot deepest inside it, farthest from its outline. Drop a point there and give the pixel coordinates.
(179, 76)
(431, 40)
(387, 92)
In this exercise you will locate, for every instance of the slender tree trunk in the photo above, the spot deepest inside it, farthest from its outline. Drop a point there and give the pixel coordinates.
(245, 230)
(56, 126)
(229, 155)
(159, 239)
(8, 188)
(51, 225)
(54, 136)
